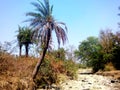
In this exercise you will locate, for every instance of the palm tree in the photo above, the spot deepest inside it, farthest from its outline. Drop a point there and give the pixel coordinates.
(44, 24)
(24, 38)
(19, 38)
(27, 39)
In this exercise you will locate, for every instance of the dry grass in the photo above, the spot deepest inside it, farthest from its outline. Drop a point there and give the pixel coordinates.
(109, 67)
(15, 72)
(110, 70)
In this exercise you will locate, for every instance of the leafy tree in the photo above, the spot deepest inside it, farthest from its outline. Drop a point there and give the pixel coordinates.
(87, 48)
(24, 38)
(44, 24)
(116, 51)
(89, 53)
(110, 43)
(107, 43)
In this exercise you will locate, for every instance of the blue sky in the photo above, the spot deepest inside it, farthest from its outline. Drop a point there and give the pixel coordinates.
(83, 17)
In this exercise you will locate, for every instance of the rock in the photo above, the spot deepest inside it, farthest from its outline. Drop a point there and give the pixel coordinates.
(66, 83)
(112, 81)
(89, 83)
(83, 80)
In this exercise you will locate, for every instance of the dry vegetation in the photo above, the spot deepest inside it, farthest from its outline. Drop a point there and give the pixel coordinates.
(15, 72)
(110, 70)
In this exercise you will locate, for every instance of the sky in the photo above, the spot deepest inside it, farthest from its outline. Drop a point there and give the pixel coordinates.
(83, 18)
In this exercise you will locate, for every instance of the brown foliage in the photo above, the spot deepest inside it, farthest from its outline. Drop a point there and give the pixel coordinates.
(15, 72)
(57, 66)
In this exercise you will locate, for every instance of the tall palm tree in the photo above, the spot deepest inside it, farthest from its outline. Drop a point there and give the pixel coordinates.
(44, 24)
(24, 38)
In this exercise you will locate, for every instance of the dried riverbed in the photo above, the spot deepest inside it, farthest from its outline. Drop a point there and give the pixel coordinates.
(87, 81)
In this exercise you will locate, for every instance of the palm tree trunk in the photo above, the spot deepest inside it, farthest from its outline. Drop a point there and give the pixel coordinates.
(20, 47)
(26, 48)
(35, 71)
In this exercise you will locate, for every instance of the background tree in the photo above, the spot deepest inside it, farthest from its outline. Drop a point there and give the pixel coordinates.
(43, 23)
(89, 53)
(107, 43)
(19, 38)
(24, 38)
(70, 53)
(110, 43)
(116, 50)
(5, 47)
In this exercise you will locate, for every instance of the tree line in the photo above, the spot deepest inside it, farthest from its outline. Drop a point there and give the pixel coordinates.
(96, 52)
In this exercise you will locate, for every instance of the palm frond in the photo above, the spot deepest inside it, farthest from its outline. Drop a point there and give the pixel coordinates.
(33, 14)
(36, 5)
(47, 6)
(40, 7)
(60, 34)
(42, 21)
(62, 23)
(51, 9)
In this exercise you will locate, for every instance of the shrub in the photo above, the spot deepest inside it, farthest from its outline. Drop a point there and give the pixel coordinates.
(109, 67)
(48, 72)
(71, 69)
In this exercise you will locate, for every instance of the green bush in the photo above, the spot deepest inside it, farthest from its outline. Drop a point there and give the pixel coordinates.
(71, 68)
(46, 76)
(97, 64)
(52, 69)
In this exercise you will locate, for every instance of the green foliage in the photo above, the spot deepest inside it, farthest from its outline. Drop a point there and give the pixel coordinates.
(97, 53)
(116, 58)
(54, 70)
(87, 48)
(45, 76)
(116, 51)
(110, 43)
(24, 37)
(89, 52)
(71, 68)
(82, 65)
(59, 54)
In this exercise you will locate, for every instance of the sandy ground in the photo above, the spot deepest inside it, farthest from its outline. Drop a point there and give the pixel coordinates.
(87, 81)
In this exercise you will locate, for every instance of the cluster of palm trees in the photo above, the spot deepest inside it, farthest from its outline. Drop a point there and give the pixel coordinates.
(24, 37)
(43, 24)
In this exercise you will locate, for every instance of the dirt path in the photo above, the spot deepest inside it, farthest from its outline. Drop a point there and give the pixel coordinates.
(87, 81)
